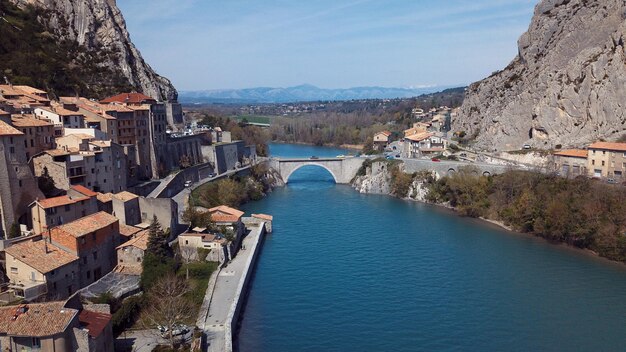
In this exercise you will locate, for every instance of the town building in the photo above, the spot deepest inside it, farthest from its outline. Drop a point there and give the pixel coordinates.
(50, 212)
(55, 326)
(18, 187)
(228, 218)
(93, 239)
(215, 244)
(61, 117)
(571, 162)
(607, 160)
(37, 269)
(21, 99)
(126, 208)
(423, 144)
(130, 254)
(38, 133)
(382, 139)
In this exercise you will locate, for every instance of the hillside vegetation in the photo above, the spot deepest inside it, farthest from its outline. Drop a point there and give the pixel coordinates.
(31, 55)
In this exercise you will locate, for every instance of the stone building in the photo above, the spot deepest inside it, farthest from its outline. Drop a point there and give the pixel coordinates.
(50, 212)
(18, 187)
(39, 269)
(21, 99)
(423, 144)
(38, 133)
(126, 208)
(93, 239)
(130, 254)
(571, 162)
(607, 160)
(55, 326)
(198, 238)
(61, 117)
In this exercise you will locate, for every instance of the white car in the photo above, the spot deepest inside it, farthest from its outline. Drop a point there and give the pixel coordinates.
(188, 183)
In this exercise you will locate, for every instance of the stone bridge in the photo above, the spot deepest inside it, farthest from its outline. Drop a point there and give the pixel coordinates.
(343, 170)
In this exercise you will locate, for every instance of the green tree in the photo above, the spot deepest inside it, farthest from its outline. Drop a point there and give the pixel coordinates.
(46, 183)
(157, 240)
(14, 231)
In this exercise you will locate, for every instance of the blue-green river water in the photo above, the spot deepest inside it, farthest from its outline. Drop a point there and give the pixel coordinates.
(350, 272)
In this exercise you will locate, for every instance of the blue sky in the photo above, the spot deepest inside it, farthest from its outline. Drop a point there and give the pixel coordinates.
(218, 44)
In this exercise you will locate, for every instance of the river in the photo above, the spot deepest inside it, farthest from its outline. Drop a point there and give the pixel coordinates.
(350, 272)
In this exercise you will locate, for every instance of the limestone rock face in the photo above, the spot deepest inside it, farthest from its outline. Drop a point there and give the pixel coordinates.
(567, 85)
(99, 25)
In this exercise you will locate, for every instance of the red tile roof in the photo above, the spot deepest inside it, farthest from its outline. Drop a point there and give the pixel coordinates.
(94, 322)
(8, 130)
(87, 224)
(130, 98)
(125, 196)
(140, 241)
(104, 197)
(128, 231)
(34, 254)
(418, 137)
(56, 202)
(30, 122)
(224, 213)
(575, 153)
(84, 190)
(609, 146)
(36, 320)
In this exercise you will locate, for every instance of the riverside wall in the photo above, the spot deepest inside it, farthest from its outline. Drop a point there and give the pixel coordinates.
(230, 327)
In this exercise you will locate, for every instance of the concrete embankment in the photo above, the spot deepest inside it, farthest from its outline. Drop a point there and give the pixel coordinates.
(228, 293)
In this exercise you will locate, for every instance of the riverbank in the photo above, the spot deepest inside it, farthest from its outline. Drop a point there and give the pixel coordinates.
(580, 213)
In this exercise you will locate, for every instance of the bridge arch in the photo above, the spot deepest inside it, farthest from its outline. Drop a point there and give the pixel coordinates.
(288, 175)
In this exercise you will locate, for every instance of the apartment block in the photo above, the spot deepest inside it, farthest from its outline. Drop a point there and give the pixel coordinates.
(39, 269)
(50, 212)
(607, 160)
(93, 239)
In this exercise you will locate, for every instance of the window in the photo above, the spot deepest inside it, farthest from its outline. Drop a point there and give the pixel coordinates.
(13, 270)
(82, 240)
(36, 342)
(67, 207)
(95, 255)
(88, 274)
(52, 272)
(138, 259)
(12, 150)
(84, 260)
(602, 162)
(593, 162)
(93, 236)
(20, 183)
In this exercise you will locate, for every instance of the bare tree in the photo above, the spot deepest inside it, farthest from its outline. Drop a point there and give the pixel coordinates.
(168, 306)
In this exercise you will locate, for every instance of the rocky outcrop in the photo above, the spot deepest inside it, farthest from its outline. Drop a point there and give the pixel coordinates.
(98, 25)
(567, 85)
(377, 179)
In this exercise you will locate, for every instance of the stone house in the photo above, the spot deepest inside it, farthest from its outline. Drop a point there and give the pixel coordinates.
(198, 238)
(55, 326)
(18, 187)
(50, 212)
(61, 117)
(126, 208)
(37, 269)
(571, 162)
(38, 133)
(93, 239)
(607, 160)
(229, 219)
(21, 99)
(130, 254)
(423, 144)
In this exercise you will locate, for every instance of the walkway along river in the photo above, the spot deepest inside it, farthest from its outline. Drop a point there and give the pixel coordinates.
(350, 272)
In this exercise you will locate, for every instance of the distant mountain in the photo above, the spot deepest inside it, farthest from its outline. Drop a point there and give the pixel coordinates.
(300, 93)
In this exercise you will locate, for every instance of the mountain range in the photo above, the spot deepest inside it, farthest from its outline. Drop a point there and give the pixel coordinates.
(301, 93)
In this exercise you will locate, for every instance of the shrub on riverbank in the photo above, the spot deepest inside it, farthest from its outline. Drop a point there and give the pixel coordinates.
(234, 191)
(580, 212)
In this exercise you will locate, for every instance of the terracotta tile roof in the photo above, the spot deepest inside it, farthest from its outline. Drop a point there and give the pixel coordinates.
(575, 153)
(104, 197)
(116, 108)
(36, 320)
(8, 130)
(418, 137)
(55, 202)
(61, 111)
(140, 241)
(30, 122)
(129, 98)
(6, 89)
(84, 190)
(139, 107)
(386, 133)
(31, 90)
(609, 146)
(128, 231)
(125, 196)
(33, 254)
(87, 224)
(224, 213)
(57, 152)
(263, 217)
(94, 322)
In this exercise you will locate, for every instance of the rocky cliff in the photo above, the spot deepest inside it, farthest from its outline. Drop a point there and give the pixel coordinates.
(566, 86)
(97, 26)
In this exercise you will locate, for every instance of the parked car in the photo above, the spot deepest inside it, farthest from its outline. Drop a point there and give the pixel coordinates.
(212, 174)
(314, 157)
(188, 183)
(463, 155)
(435, 160)
(611, 180)
(526, 146)
(177, 329)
